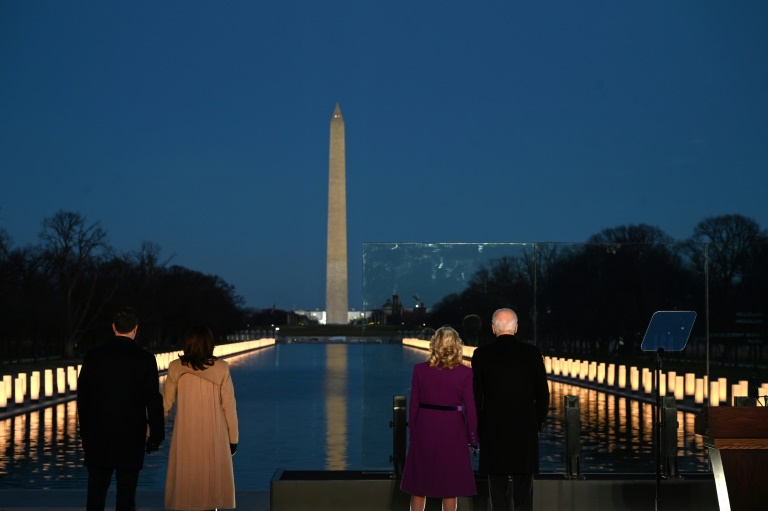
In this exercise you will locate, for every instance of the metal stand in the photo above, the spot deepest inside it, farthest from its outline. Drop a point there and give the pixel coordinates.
(398, 424)
(657, 416)
(572, 434)
(669, 427)
(668, 330)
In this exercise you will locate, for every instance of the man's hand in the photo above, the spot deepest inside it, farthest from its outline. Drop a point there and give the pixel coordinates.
(152, 446)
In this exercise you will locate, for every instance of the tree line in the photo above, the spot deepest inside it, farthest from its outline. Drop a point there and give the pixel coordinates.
(58, 296)
(598, 297)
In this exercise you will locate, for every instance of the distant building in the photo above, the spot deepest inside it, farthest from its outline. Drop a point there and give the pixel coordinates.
(394, 313)
(318, 317)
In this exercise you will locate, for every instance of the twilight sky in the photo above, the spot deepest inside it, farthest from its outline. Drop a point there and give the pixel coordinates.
(203, 126)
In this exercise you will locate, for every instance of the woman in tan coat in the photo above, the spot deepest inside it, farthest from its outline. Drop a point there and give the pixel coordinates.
(205, 434)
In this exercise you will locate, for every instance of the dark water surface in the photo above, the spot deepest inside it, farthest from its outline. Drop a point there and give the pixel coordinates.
(328, 407)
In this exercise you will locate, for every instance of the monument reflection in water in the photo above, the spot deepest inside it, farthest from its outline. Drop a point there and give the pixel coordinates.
(328, 407)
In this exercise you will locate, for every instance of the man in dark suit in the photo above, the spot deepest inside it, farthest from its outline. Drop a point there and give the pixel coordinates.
(512, 397)
(118, 396)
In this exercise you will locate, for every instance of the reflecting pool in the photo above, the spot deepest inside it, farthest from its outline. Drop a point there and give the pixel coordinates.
(328, 407)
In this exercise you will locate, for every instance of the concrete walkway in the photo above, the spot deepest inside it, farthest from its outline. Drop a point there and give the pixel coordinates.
(74, 500)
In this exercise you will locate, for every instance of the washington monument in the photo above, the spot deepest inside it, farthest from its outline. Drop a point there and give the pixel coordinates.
(336, 299)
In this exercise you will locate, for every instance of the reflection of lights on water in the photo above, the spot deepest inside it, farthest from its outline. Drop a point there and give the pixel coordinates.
(335, 386)
(616, 433)
(5, 440)
(615, 424)
(49, 425)
(250, 357)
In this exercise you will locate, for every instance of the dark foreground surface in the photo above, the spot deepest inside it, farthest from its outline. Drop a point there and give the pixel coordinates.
(378, 491)
(71, 500)
(330, 491)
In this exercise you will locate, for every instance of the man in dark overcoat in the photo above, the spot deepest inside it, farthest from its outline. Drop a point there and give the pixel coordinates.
(512, 398)
(118, 397)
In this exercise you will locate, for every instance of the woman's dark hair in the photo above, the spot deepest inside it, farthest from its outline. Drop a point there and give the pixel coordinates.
(198, 348)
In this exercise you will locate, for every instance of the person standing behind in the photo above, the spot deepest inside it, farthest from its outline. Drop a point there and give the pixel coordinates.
(512, 397)
(205, 434)
(443, 425)
(118, 396)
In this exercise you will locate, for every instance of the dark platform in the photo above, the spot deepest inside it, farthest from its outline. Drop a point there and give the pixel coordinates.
(341, 490)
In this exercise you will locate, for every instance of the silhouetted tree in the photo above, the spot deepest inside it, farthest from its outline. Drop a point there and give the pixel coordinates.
(731, 240)
(25, 299)
(733, 248)
(73, 250)
(505, 283)
(60, 296)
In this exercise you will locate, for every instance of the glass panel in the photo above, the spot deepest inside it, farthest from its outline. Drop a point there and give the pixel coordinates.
(738, 279)
(594, 302)
(594, 298)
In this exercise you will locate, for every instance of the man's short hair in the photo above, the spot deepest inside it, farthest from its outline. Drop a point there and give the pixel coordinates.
(504, 326)
(126, 320)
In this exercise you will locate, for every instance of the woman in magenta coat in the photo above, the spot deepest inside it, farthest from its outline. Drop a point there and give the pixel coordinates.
(443, 426)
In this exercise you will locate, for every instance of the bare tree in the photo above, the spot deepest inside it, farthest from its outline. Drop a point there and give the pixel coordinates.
(640, 233)
(731, 239)
(733, 248)
(73, 250)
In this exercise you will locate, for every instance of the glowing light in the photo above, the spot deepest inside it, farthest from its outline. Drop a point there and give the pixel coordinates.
(72, 378)
(735, 392)
(48, 382)
(714, 393)
(744, 387)
(699, 393)
(8, 380)
(690, 384)
(34, 386)
(19, 391)
(647, 380)
(61, 380)
(679, 387)
(763, 392)
(723, 385)
(23, 379)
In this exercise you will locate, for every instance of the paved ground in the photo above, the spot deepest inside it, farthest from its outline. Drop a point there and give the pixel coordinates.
(74, 500)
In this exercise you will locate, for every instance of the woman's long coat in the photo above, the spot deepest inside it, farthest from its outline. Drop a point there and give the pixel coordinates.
(200, 474)
(438, 463)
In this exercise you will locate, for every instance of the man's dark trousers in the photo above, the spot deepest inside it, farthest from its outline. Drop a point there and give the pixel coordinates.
(98, 484)
(519, 499)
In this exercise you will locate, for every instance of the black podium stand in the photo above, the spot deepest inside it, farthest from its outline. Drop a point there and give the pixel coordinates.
(667, 331)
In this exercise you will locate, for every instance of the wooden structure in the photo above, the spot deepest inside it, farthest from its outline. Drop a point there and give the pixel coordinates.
(737, 438)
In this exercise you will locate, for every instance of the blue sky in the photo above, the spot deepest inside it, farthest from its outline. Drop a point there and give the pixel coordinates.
(203, 126)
